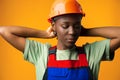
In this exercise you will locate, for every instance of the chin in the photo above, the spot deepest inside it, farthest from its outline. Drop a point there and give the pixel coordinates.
(70, 46)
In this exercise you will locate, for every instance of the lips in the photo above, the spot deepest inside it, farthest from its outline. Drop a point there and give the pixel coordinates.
(71, 40)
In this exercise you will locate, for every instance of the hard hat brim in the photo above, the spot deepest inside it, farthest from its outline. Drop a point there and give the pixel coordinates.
(50, 19)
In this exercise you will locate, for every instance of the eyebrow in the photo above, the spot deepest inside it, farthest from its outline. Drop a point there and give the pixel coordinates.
(66, 22)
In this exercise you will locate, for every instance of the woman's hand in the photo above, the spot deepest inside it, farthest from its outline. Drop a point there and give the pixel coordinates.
(51, 33)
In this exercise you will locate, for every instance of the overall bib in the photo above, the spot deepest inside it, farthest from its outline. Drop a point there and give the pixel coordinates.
(67, 69)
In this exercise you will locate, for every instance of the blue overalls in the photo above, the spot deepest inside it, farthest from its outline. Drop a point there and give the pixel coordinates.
(67, 69)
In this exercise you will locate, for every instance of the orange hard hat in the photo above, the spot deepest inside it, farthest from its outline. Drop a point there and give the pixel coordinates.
(61, 7)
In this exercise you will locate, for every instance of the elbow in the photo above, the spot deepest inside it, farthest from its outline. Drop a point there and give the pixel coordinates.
(4, 30)
(119, 41)
(115, 44)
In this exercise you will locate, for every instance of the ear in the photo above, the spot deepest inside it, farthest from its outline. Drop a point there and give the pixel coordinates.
(53, 26)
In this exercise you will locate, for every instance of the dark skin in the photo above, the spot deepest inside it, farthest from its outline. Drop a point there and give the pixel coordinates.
(68, 29)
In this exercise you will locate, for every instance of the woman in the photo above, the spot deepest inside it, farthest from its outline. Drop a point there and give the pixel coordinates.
(65, 61)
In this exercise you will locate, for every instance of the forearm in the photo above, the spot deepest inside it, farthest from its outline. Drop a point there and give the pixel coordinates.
(23, 32)
(112, 33)
(16, 35)
(106, 32)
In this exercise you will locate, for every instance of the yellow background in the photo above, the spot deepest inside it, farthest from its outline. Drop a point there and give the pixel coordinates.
(34, 13)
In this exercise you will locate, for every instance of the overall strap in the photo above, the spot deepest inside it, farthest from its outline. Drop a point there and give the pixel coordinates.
(52, 50)
(80, 50)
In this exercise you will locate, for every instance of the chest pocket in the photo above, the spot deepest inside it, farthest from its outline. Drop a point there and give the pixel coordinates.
(67, 69)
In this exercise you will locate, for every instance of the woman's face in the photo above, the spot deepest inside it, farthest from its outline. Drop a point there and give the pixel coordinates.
(68, 28)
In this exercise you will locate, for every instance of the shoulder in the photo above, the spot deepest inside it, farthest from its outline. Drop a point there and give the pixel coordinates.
(97, 44)
(97, 49)
(35, 44)
(34, 50)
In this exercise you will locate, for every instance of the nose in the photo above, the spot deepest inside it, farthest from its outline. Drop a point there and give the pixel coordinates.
(71, 30)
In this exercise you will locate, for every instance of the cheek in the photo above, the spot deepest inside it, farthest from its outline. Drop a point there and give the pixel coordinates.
(60, 32)
(78, 31)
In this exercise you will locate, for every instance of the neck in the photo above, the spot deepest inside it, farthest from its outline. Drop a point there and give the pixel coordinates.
(62, 47)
